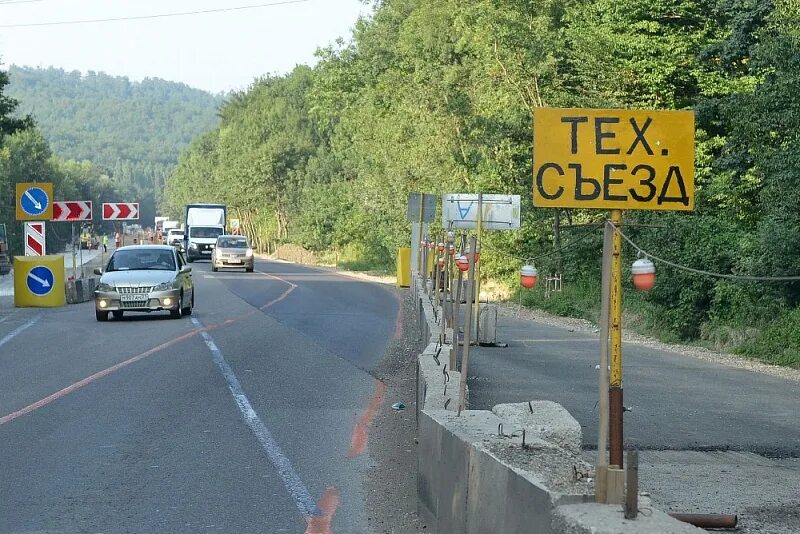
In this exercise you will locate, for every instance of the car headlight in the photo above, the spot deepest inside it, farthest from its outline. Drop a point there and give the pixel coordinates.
(166, 286)
(104, 287)
(249, 252)
(193, 245)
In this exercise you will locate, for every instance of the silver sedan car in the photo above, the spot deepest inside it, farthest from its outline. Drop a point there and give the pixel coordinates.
(232, 252)
(144, 278)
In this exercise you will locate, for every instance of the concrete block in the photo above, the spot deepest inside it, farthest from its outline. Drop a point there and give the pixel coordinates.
(548, 421)
(594, 518)
(434, 388)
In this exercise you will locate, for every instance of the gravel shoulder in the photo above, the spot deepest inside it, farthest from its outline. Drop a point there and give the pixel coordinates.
(390, 484)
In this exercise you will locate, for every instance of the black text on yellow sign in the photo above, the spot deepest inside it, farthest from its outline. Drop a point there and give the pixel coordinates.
(613, 159)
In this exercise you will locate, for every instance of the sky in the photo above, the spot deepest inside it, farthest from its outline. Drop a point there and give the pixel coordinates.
(217, 52)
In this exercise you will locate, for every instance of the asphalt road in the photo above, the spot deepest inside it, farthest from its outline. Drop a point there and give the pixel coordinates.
(248, 416)
(677, 402)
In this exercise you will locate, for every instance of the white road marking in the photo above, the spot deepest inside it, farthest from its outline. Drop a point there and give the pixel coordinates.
(291, 480)
(18, 330)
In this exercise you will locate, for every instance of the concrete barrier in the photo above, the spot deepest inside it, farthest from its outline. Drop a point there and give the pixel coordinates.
(80, 290)
(475, 474)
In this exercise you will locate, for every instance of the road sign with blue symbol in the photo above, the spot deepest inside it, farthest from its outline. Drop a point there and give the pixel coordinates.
(40, 280)
(34, 202)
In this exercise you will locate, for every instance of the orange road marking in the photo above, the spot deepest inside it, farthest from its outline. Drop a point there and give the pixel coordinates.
(321, 524)
(358, 443)
(92, 378)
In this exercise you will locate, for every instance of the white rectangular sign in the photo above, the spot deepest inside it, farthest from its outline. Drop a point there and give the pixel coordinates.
(500, 212)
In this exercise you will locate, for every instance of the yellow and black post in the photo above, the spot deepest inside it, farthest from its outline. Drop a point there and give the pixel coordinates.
(615, 377)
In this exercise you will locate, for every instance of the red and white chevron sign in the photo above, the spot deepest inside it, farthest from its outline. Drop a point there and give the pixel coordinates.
(120, 211)
(34, 239)
(72, 210)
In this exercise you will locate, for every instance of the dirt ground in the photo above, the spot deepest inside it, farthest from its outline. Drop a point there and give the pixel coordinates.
(391, 482)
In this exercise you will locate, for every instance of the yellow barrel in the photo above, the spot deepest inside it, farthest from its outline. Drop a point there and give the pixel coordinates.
(39, 282)
(404, 267)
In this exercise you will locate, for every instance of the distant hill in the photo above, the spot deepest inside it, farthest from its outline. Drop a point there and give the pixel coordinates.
(135, 129)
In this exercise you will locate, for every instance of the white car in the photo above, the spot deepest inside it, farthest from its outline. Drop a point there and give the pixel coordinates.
(174, 237)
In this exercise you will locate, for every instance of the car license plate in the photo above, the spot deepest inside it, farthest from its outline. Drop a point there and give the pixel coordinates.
(205, 252)
(133, 298)
(234, 260)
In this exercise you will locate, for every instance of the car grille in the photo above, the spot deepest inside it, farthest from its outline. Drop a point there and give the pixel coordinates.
(135, 304)
(144, 290)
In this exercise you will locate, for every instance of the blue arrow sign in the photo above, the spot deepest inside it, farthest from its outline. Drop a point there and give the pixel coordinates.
(464, 211)
(34, 201)
(40, 280)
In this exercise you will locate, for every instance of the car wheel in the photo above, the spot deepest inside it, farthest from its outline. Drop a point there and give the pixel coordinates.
(188, 310)
(177, 313)
(249, 269)
(101, 315)
(213, 268)
(118, 314)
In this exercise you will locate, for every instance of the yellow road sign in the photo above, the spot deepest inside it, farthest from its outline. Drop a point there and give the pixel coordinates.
(613, 159)
(39, 281)
(34, 202)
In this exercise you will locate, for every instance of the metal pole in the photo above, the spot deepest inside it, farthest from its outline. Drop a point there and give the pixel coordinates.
(81, 253)
(457, 307)
(74, 254)
(462, 389)
(477, 267)
(425, 264)
(436, 272)
(602, 430)
(419, 250)
(632, 486)
(707, 520)
(615, 382)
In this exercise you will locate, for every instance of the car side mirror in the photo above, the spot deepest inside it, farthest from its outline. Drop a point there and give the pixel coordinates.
(186, 269)
(98, 270)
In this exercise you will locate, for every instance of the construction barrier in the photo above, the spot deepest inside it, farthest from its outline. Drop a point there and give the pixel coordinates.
(404, 267)
(39, 282)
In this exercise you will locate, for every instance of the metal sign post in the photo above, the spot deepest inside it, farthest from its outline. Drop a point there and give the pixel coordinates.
(613, 159)
(467, 327)
(74, 254)
(478, 269)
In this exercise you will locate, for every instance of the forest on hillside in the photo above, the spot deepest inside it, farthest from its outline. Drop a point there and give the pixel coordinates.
(95, 137)
(439, 96)
(134, 130)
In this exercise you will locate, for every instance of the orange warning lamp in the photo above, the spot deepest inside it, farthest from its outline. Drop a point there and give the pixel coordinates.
(644, 274)
(527, 276)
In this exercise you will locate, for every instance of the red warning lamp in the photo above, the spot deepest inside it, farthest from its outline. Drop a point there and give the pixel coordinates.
(477, 253)
(441, 247)
(451, 249)
(527, 276)
(441, 263)
(644, 274)
(462, 263)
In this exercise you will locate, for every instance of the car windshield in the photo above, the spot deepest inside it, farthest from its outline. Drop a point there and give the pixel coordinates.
(232, 242)
(142, 259)
(205, 232)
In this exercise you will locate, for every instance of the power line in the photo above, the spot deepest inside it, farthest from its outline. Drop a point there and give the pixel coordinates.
(147, 17)
(706, 273)
(5, 2)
